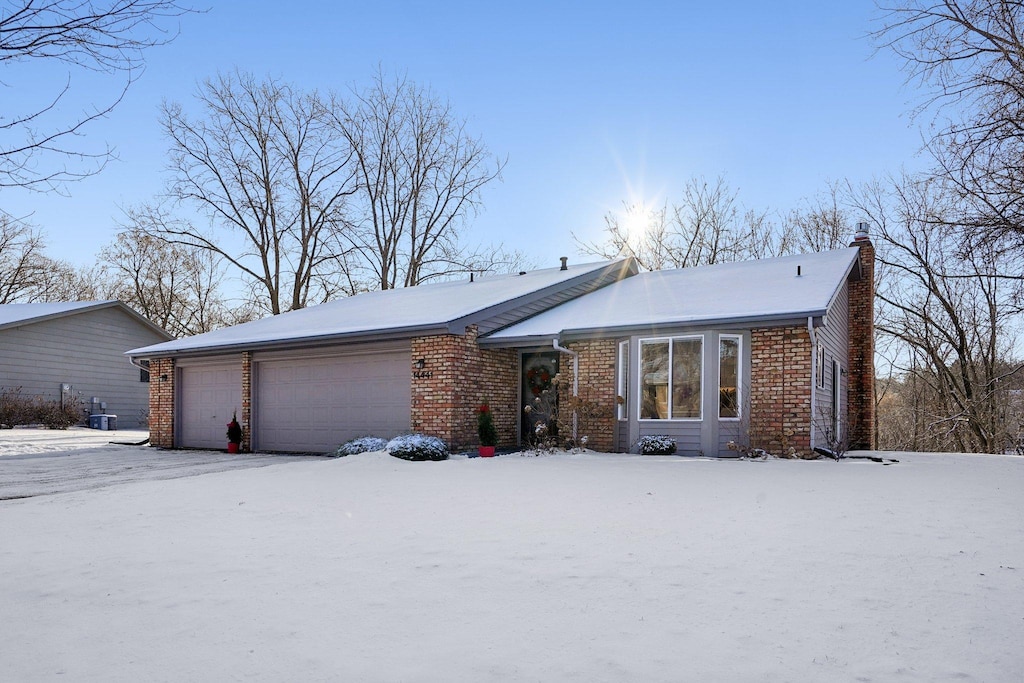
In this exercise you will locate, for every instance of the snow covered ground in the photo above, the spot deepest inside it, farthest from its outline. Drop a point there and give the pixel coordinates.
(554, 568)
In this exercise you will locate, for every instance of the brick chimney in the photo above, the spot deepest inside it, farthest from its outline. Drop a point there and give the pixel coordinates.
(861, 385)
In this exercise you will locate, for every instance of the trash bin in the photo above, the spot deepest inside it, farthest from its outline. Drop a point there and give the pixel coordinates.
(106, 422)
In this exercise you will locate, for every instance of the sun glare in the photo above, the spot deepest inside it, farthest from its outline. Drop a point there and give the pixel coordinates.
(635, 220)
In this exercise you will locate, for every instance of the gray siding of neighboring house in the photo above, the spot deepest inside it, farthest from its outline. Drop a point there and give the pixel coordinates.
(85, 350)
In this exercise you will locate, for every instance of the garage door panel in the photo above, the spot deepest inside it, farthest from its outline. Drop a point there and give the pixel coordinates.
(316, 404)
(208, 398)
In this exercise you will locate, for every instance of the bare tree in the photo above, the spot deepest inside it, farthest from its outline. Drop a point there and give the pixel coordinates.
(62, 281)
(269, 172)
(707, 226)
(175, 286)
(969, 54)
(821, 223)
(955, 315)
(420, 177)
(107, 37)
(22, 263)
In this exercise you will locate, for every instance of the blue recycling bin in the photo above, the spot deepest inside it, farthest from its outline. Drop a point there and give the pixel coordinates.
(104, 422)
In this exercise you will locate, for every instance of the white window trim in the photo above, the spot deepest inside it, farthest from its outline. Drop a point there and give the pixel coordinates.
(837, 398)
(640, 379)
(622, 382)
(739, 377)
(820, 366)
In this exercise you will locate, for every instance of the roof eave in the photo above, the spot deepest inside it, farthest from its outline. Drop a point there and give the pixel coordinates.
(600, 277)
(662, 328)
(295, 343)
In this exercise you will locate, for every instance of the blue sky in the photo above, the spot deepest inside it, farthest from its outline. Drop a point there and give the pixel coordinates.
(593, 103)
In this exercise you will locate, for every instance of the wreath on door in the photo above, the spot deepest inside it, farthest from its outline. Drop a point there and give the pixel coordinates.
(538, 379)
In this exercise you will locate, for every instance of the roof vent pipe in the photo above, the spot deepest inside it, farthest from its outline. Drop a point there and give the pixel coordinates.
(798, 272)
(470, 276)
(565, 263)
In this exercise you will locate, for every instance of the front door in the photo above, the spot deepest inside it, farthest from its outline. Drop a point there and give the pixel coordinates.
(538, 392)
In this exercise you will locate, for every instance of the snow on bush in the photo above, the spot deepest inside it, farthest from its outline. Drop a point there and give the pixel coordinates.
(418, 447)
(363, 444)
(657, 445)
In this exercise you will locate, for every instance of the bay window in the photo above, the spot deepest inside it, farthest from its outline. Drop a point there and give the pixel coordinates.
(671, 375)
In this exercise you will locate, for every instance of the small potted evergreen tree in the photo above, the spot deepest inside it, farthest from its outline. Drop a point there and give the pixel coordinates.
(234, 434)
(486, 431)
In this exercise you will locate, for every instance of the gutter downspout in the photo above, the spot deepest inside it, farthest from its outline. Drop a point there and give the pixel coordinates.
(575, 379)
(814, 373)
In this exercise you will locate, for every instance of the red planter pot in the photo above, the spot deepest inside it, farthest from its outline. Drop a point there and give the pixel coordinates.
(486, 451)
(232, 447)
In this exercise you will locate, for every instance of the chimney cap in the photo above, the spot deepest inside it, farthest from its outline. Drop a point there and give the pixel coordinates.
(565, 262)
(862, 232)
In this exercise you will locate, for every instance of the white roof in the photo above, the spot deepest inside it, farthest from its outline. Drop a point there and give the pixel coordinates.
(394, 311)
(19, 313)
(764, 289)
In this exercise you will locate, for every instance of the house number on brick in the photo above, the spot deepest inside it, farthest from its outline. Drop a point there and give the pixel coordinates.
(422, 374)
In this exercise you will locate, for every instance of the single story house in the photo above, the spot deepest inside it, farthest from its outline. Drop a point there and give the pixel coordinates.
(75, 351)
(773, 353)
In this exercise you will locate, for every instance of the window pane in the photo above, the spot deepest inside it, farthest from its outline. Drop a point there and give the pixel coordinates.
(654, 380)
(728, 374)
(623, 389)
(686, 367)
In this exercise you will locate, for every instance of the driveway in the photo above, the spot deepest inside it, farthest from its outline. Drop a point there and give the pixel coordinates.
(39, 462)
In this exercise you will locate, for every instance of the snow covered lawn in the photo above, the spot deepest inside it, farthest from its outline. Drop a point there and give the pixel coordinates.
(565, 567)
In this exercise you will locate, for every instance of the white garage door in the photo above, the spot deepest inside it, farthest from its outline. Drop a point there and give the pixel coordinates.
(208, 396)
(315, 404)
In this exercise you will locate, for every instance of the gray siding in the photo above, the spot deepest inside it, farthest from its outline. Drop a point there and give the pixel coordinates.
(730, 430)
(834, 336)
(85, 350)
(686, 434)
(622, 443)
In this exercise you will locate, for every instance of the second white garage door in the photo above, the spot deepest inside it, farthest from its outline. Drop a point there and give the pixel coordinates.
(313, 405)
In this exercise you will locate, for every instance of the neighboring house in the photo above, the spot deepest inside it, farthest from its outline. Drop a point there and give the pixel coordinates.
(76, 350)
(775, 353)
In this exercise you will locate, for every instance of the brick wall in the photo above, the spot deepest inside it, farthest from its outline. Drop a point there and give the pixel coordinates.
(861, 386)
(457, 377)
(596, 388)
(246, 415)
(161, 402)
(780, 390)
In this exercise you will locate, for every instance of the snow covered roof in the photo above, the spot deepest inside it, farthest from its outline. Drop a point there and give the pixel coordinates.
(444, 307)
(12, 315)
(722, 294)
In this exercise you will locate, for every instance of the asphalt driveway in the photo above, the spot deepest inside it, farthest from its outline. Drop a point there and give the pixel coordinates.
(39, 462)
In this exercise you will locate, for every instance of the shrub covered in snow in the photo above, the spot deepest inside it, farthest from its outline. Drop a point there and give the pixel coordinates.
(657, 445)
(363, 444)
(418, 447)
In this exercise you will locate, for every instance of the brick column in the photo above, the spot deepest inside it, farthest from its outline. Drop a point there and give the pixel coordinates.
(161, 402)
(780, 390)
(458, 376)
(861, 386)
(246, 415)
(597, 391)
